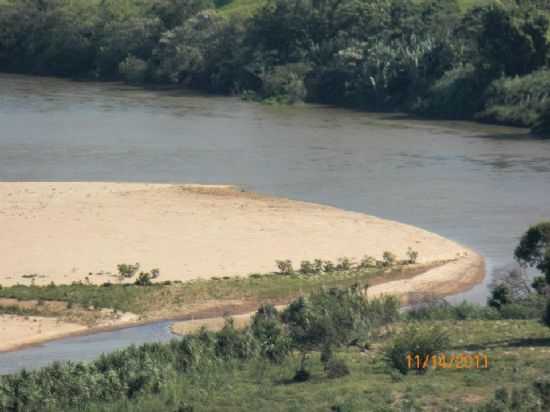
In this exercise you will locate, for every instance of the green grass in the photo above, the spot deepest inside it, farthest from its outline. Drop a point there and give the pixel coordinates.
(249, 7)
(517, 351)
(244, 8)
(147, 299)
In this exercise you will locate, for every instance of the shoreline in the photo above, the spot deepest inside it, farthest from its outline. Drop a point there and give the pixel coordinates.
(450, 122)
(423, 284)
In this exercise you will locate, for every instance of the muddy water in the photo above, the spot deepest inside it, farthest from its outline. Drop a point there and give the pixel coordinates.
(479, 185)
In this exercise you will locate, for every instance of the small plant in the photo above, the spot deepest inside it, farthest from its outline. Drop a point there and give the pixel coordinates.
(318, 265)
(328, 266)
(367, 262)
(412, 255)
(388, 259)
(127, 271)
(285, 267)
(155, 273)
(414, 341)
(307, 268)
(344, 264)
(144, 279)
(336, 368)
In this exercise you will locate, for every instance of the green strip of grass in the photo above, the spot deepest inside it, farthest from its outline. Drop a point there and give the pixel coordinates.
(144, 299)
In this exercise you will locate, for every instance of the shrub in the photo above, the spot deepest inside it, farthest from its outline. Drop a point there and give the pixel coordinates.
(518, 101)
(144, 279)
(388, 259)
(412, 255)
(285, 84)
(457, 95)
(367, 262)
(327, 318)
(268, 331)
(285, 267)
(431, 308)
(133, 70)
(500, 295)
(155, 273)
(328, 266)
(318, 265)
(307, 268)
(336, 368)
(126, 271)
(531, 308)
(344, 264)
(230, 343)
(383, 311)
(415, 340)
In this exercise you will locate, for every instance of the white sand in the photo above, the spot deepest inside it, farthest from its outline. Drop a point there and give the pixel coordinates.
(63, 231)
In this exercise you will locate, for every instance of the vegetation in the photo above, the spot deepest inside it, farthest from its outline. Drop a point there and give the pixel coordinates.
(157, 295)
(534, 248)
(330, 350)
(424, 342)
(232, 371)
(446, 58)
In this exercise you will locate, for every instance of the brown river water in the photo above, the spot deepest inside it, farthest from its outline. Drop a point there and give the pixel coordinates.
(479, 185)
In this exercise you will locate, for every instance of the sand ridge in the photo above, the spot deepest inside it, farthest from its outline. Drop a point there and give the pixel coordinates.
(64, 231)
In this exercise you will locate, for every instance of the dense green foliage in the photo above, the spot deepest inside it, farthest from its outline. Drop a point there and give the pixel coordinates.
(231, 371)
(534, 248)
(149, 368)
(440, 58)
(415, 340)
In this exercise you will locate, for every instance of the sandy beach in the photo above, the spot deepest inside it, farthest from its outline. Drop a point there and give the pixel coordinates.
(66, 232)
(63, 232)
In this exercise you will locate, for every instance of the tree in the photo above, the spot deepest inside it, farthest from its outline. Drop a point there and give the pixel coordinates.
(511, 42)
(328, 318)
(267, 328)
(533, 249)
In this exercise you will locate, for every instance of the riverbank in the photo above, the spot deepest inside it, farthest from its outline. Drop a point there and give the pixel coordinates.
(442, 279)
(79, 232)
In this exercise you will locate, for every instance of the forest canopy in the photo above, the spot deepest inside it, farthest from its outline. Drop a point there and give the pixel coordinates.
(439, 58)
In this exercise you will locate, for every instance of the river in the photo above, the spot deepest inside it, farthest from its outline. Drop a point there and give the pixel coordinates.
(479, 185)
